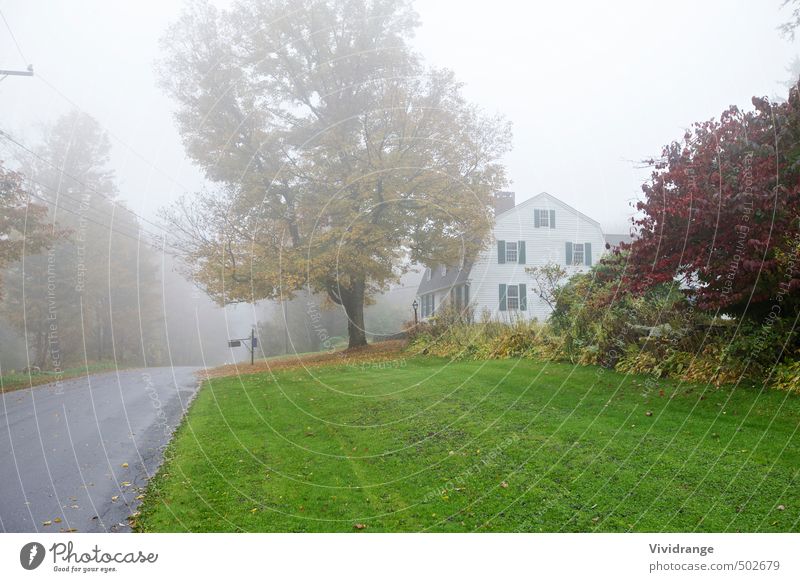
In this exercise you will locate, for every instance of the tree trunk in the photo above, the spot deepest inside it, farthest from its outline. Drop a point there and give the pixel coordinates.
(41, 350)
(353, 303)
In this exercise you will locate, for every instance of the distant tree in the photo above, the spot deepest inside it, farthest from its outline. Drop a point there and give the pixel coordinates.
(721, 212)
(24, 227)
(789, 28)
(339, 156)
(93, 295)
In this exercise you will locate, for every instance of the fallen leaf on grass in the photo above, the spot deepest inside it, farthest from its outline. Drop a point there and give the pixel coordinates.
(649, 413)
(504, 485)
(781, 507)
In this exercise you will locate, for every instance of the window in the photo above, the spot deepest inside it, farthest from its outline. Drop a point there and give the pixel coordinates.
(577, 254)
(444, 270)
(544, 219)
(511, 252)
(428, 274)
(428, 305)
(460, 296)
(512, 297)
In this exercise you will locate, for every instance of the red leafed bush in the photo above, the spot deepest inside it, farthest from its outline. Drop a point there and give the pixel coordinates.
(721, 212)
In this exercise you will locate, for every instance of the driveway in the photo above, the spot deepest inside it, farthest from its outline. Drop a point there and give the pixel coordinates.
(76, 456)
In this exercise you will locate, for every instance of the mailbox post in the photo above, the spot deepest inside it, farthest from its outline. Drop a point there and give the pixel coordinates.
(237, 343)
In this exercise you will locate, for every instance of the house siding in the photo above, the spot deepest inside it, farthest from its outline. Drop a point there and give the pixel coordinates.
(542, 245)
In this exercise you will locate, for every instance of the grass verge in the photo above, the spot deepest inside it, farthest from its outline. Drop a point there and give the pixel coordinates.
(19, 380)
(429, 445)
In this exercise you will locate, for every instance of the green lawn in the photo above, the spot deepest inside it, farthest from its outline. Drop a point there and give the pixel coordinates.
(487, 446)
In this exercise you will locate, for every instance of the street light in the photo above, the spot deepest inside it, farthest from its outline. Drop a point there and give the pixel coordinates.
(415, 305)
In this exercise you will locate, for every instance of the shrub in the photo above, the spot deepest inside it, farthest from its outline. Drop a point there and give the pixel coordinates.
(787, 377)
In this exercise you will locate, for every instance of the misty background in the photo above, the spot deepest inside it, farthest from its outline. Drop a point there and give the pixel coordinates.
(590, 89)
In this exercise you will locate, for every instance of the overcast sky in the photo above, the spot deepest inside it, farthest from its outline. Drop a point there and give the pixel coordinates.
(590, 87)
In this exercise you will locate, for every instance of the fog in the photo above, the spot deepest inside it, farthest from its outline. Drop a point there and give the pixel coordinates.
(590, 89)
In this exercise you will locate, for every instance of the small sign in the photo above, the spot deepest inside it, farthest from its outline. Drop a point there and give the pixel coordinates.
(234, 343)
(255, 343)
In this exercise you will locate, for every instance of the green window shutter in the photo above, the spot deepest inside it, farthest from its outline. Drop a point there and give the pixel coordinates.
(537, 221)
(501, 251)
(587, 254)
(523, 297)
(521, 252)
(568, 253)
(466, 295)
(502, 297)
(552, 219)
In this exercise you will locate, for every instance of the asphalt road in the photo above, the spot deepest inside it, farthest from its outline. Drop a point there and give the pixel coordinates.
(77, 455)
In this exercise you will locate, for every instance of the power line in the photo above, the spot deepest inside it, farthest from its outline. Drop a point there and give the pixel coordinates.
(14, 38)
(110, 228)
(11, 139)
(112, 135)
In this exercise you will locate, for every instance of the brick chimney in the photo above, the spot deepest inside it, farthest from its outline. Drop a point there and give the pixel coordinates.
(502, 201)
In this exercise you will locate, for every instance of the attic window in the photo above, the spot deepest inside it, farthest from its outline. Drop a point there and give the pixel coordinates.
(444, 270)
(544, 219)
(428, 274)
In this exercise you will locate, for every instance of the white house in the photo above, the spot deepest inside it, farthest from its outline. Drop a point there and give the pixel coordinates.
(541, 230)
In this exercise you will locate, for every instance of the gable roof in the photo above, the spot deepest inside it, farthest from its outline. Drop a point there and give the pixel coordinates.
(455, 276)
(530, 201)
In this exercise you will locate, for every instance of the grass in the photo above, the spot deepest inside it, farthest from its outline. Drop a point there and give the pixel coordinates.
(428, 445)
(17, 380)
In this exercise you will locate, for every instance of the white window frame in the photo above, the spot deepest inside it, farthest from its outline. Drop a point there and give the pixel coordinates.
(427, 273)
(544, 218)
(575, 261)
(512, 296)
(444, 270)
(509, 257)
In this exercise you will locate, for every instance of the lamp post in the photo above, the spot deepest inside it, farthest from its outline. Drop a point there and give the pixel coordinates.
(415, 305)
